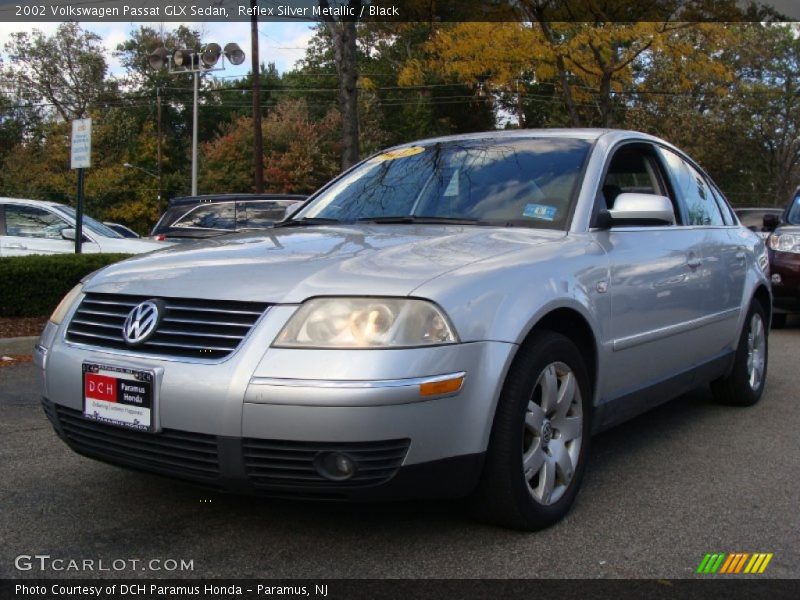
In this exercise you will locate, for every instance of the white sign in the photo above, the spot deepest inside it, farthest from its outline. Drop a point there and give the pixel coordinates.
(81, 143)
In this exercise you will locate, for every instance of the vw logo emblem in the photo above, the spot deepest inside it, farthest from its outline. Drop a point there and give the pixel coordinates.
(141, 322)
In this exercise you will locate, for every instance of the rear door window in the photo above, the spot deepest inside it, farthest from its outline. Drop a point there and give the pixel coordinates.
(256, 215)
(209, 216)
(691, 186)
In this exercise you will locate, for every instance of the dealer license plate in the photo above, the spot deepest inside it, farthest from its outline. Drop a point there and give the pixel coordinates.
(119, 396)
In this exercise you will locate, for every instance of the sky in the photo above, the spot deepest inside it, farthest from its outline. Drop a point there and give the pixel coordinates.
(281, 43)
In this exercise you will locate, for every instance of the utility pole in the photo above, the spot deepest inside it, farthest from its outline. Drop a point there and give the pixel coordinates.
(194, 133)
(258, 141)
(158, 150)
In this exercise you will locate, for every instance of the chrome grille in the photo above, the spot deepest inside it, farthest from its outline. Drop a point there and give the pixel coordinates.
(277, 463)
(203, 329)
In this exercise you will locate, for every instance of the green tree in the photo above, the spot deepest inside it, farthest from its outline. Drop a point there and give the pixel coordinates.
(66, 70)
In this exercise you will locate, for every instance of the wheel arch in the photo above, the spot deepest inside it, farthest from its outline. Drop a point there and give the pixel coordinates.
(574, 325)
(762, 295)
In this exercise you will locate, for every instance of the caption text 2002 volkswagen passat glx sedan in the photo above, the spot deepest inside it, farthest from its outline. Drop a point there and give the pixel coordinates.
(452, 317)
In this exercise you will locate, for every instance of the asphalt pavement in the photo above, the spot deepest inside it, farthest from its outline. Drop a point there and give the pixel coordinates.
(661, 491)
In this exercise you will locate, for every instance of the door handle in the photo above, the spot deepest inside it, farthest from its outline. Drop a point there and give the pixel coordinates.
(694, 262)
(740, 256)
(16, 246)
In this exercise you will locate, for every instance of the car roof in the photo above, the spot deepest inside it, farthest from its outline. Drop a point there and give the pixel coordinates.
(609, 136)
(565, 133)
(5, 200)
(210, 198)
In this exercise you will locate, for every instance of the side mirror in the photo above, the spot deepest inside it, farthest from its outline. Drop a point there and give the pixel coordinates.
(639, 209)
(771, 222)
(69, 234)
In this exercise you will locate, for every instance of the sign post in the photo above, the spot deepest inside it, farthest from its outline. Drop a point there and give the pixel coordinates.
(81, 158)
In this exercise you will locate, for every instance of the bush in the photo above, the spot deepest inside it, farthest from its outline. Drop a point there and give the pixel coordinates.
(32, 286)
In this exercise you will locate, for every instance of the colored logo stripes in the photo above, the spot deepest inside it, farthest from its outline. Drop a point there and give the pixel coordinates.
(737, 562)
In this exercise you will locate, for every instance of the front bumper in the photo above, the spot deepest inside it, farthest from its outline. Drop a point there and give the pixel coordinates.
(273, 468)
(256, 421)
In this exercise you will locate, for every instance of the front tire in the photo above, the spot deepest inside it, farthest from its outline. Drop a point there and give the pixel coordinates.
(744, 385)
(540, 437)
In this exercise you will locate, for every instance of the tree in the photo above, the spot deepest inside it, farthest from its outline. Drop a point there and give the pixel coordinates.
(343, 34)
(770, 85)
(66, 70)
(300, 152)
(588, 63)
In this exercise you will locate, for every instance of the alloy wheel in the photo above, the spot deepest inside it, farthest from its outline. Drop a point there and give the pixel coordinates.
(552, 433)
(756, 351)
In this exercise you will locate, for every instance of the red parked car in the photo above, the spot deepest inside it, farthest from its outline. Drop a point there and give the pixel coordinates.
(784, 261)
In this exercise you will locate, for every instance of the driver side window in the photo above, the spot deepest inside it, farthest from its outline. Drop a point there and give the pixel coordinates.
(32, 222)
(633, 169)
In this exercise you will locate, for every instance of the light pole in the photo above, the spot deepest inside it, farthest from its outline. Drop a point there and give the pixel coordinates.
(143, 170)
(198, 63)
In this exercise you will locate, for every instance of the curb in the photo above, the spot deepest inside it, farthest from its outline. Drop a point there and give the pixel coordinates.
(18, 345)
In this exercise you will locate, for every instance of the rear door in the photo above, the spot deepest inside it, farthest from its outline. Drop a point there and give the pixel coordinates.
(724, 252)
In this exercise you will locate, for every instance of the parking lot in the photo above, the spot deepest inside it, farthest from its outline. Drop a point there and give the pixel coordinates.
(661, 491)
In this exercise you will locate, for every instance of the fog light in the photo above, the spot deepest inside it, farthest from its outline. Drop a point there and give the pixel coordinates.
(776, 278)
(335, 466)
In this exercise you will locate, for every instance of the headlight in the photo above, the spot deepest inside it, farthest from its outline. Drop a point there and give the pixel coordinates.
(785, 242)
(65, 304)
(366, 323)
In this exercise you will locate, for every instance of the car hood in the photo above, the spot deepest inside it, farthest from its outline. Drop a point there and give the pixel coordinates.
(292, 264)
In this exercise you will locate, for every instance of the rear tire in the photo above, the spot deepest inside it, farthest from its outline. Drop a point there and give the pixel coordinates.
(744, 385)
(779, 320)
(540, 437)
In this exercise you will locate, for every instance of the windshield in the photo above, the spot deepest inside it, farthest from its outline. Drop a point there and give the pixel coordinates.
(529, 182)
(88, 222)
(793, 217)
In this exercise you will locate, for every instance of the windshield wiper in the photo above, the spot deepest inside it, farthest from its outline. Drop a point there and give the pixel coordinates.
(307, 221)
(403, 219)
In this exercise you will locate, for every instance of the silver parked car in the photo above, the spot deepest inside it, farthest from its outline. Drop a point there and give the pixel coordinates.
(41, 227)
(452, 317)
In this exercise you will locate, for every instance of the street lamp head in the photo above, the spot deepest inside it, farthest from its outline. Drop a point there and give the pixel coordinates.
(159, 58)
(234, 53)
(210, 55)
(185, 59)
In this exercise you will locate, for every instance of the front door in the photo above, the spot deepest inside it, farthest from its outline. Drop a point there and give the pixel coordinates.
(657, 284)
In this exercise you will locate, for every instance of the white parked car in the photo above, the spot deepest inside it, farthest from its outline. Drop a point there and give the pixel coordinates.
(40, 227)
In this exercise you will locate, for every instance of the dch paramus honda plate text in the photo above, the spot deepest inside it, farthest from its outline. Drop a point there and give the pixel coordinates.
(452, 317)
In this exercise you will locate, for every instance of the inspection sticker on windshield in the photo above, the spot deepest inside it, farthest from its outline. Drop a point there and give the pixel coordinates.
(399, 153)
(540, 211)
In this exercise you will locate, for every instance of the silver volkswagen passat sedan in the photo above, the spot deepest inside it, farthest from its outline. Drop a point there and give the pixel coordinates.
(452, 317)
